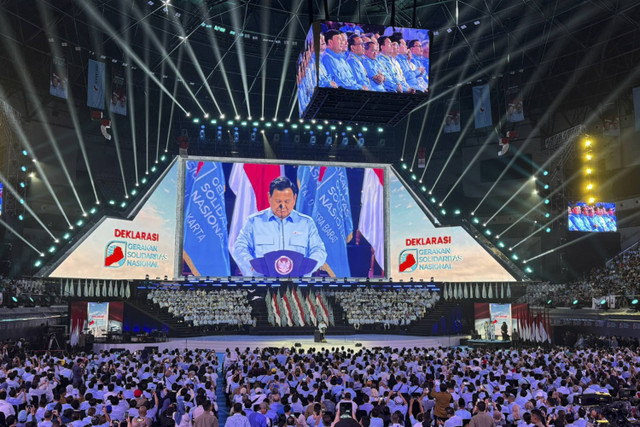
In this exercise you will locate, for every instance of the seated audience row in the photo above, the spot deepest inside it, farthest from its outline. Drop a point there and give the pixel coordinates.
(367, 306)
(205, 308)
(618, 278)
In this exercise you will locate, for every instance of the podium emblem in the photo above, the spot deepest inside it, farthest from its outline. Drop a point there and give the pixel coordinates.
(284, 265)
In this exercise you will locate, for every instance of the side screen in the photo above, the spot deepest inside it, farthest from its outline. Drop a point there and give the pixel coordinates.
(237, 213)
(599, 217)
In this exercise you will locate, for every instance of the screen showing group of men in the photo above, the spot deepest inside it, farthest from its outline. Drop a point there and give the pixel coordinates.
(363, 57)
(600, 217)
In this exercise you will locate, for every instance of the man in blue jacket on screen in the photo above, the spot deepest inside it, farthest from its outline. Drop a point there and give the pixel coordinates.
(335, 62)
(279, 227)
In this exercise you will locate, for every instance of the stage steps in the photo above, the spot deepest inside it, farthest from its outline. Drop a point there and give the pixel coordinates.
(425, 325)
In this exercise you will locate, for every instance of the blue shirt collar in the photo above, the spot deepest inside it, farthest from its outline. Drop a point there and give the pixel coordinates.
(293, 216)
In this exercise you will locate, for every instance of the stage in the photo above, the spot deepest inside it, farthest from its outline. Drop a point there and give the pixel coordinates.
(220, 343)
(480, 343)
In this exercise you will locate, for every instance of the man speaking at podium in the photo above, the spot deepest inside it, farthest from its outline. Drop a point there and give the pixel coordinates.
(278, 227)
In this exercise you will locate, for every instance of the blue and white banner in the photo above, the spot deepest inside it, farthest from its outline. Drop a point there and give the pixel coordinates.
(205, 220)
(636, 106)
(332, 215)
(482, 106)
(58, 81)
(307, 185)
(96, 85)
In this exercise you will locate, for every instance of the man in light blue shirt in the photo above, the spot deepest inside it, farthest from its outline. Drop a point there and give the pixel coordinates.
(372, 66)
(356, 53)
(335, 63)
(278, 227)
(394, 79)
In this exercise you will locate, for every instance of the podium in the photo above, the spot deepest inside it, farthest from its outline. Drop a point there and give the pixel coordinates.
(283, 264)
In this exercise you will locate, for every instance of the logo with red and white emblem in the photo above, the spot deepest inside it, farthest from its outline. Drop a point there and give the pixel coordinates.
(284, 265)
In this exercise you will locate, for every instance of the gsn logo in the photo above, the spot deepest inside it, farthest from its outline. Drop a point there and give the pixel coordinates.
(115, 254)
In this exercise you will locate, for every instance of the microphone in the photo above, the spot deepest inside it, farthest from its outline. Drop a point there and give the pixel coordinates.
(282, 224)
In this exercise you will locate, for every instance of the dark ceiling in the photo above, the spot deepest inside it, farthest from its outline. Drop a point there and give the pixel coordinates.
(591, 44)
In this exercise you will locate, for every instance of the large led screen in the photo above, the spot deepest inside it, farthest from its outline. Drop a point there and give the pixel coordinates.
(420, 250)
(599, 217)
(237, 213)
(307, 75)
(130, 248)
(373, 57)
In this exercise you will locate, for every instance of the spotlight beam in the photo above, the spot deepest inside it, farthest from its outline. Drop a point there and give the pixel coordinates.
(235, 20)
(156, 41)
(293, 104)
(463, 134)
(30, 89)
(557, 217)
(557, 100)
(175, 88)
(100, 21)
(469, 165)
(287, 56)
(132, 122)
(586, 236)
(17, 195)
(406, 132)
(161, 95)
(116, 143)
(415, 152)
(213, 41)
(17, 127)
(19, 236)
(70, 103)
(196, 62)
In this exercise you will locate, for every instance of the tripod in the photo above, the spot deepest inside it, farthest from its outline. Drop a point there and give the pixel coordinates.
(54, 340)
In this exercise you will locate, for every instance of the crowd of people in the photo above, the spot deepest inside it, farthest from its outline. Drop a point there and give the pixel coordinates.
(619, 279)
(204, 309)
(400, 307)
(451, 387)
(379, 60)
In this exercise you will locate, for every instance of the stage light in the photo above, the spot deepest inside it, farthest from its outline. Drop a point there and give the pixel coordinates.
(528, 270)
(112, 202)
(25, 153)
(514, 256)
(548, 230)
(123, 204)
(380, 130)
(547, 215)
(23, 168)
(591, 200)
(345, 140)
(38, 263)
(588, 143)
(549, 302)
(52, 249)
(443, 212)
(66, 236)
(20, 217)
(413, 176)
(349, 128)
(423, 188)
(134, 192)
(590, 187)
(268, 124)
(589, 170)
(294, 126)
(487, 232)
(80, 223)
(206, 115)
(361, 142)
(188, 114)
(320, 127)
(546, 201)
(456, 212)
(476, 221)
(143, 180)
(196, 120)
(546, 186)
(433, 200)
(237, 117)
(22, 184)
(501, 244)
(243, 123)
(588, 157)
(364, 128)
(404, 166)
(222, 116)
(312, 140)
(153, 169)
(545, 172)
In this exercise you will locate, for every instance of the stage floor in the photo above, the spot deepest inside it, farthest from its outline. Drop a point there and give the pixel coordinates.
(220, 343)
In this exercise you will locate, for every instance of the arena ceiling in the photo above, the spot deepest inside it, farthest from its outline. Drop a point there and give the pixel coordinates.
(541, 44)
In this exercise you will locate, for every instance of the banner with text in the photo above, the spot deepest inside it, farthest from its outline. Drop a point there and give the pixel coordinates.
(95, 84)
(420, 250)
(131, 249)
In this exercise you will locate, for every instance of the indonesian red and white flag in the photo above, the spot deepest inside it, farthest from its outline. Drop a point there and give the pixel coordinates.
(250, 183)
(287, 310)
(371, 223)
(312, 309)
(298, 305)
(323, 309)
(276, 309)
